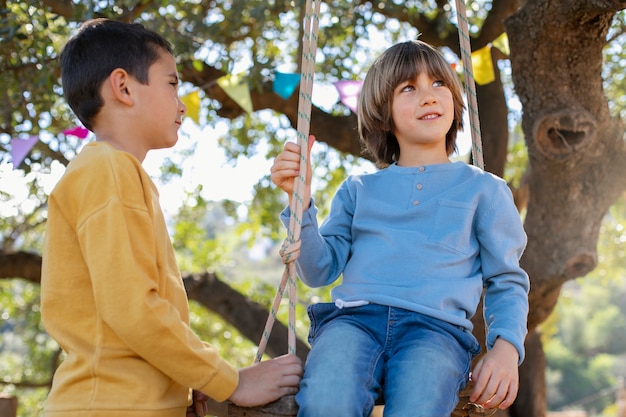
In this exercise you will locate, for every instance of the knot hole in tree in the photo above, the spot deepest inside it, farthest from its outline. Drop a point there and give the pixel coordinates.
(560, 135)
(580, 265)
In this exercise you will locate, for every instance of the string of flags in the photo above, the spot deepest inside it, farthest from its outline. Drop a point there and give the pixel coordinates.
(284, 85)
(22, 147)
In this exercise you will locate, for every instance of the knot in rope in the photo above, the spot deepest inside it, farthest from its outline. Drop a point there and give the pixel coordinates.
(290, 250)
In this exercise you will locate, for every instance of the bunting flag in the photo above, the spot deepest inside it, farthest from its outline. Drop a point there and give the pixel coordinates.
(78, 131)
(502, 43)
(349, 91)
(285, 84)
(20, 148)
(236, 86)
(483, 66)
(192, 102)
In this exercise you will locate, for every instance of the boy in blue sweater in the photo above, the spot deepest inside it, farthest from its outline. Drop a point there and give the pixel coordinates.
(415, 243)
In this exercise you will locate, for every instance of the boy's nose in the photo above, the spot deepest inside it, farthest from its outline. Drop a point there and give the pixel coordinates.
(428, 99)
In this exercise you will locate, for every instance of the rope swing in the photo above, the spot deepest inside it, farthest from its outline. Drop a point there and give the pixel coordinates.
(470, 86)
(290, 249)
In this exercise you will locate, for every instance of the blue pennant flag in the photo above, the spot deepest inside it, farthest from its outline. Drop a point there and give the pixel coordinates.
(285, 84)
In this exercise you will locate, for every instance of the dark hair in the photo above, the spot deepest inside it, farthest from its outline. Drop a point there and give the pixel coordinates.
(99, 47)
(401, 62)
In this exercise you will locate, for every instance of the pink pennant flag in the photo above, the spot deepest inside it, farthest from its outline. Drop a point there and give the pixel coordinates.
(349, 92)
(78, 131)
(20, 148)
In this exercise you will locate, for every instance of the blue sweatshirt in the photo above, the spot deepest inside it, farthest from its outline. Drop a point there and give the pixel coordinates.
(426, 239)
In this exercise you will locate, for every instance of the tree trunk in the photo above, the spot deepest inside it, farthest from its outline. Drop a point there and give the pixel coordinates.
(531, 399)
(577, 155)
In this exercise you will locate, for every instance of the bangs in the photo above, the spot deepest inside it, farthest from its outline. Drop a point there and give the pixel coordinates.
(415, 58)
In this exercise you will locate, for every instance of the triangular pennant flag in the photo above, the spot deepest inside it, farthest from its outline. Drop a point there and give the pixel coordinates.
(285, 84)
(236, 86)
(502, 43)
(483, 66)
(192, 101)
(20, 148)
(78, 131)
(349, 91)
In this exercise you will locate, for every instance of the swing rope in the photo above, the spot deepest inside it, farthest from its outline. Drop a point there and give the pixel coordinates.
(470, 86)
(290, 249)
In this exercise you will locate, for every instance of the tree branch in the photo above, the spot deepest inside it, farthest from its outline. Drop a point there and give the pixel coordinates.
(247, 316)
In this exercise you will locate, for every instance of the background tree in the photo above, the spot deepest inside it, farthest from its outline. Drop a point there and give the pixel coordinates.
(566, 64)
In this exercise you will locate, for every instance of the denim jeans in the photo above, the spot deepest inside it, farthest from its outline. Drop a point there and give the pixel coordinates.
(420, 363)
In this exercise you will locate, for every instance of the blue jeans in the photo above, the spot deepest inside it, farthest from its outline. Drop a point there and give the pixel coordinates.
(418, 362)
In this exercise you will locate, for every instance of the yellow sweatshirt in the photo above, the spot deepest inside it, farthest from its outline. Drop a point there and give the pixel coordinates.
(113, 298)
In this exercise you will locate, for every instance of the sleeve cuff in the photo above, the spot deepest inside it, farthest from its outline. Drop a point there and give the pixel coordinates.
(223, 383)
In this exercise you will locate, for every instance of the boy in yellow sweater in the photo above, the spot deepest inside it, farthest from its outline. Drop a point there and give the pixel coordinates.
(111, 291)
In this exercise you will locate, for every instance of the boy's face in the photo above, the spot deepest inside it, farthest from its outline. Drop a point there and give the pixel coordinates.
(422, 112)
(160, 110)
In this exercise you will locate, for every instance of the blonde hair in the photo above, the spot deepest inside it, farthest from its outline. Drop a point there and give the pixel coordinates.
(401, 62)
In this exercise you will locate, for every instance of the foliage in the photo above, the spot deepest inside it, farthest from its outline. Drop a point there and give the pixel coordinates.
(198, 235)
(613, 71)
(27, 354)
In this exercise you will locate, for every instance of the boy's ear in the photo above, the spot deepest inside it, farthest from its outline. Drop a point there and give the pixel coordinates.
(120, 84)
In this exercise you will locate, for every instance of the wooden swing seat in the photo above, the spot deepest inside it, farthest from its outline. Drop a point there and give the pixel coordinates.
(287, 407)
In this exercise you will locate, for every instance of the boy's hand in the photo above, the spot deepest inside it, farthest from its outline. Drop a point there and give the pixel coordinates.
(286, 168)
(267, 381)
(496, 378)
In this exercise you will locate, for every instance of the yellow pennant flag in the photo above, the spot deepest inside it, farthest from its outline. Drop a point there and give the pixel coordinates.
(236, 86)
(192, 101)
(502, 43)
(483, 66)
